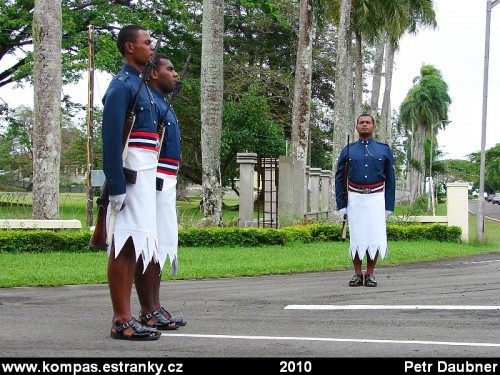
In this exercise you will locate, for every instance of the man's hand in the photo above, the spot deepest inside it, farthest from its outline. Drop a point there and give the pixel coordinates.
(117, 201)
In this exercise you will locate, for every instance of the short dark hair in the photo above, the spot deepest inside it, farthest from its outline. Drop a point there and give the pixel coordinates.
(159, 57)
(365, 115)
(127, 34)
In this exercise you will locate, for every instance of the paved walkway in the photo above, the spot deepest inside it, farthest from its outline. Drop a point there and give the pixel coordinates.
(446, 308)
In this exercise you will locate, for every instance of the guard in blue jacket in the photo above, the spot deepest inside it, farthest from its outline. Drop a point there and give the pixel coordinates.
(134, 236)
(163, 81)
(367, 197)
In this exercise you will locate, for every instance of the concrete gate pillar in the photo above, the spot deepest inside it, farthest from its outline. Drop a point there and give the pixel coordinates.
(292, 192)
(314, 175)
(326, 190)
(457, 194)
(247, 162)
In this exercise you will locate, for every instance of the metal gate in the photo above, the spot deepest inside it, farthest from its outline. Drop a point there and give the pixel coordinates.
(267, 191)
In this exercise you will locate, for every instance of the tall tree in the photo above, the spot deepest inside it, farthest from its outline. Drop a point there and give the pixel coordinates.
(400, 16)
(16, 145)
(173, 18)
(47, 37)
(425, 105)
(343, 123)
(492, 174)
(367, 23)
(377, 74)
(384, 129)
(302, 87)
(211, 107)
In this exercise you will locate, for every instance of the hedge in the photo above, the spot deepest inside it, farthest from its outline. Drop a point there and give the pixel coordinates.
(70, 240)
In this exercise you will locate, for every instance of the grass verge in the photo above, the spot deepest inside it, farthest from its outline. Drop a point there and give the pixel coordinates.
(60, 268)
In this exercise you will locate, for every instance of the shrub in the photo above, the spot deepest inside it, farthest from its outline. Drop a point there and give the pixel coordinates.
(40, 241)
(35, 241)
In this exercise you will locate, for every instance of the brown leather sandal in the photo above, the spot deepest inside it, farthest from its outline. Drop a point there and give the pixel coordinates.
(161, 322)
(370, 280)
(179, 320)
(357, 280)
(140, 332)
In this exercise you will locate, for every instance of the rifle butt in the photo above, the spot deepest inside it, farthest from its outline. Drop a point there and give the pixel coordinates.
(344, 230)
(99, 236)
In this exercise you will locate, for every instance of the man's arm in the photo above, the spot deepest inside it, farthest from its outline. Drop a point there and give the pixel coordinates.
(390, 182)
(114, 113)
(340, 190)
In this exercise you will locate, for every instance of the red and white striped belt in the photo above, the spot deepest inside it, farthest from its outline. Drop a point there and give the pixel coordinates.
(168, 166)
(366, 189)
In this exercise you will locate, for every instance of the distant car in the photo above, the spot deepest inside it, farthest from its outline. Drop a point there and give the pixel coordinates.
(495, 199)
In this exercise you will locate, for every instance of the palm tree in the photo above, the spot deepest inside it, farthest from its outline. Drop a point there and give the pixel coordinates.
(47, 36)
(400, 16)
(302, 87)
(426, 104)
(368, 24)
(377, 73)
(376, 22)
(343, 82)
(211, 107)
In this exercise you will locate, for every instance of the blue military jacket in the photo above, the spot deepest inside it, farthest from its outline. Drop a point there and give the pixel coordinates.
(118, 98)
(370, 162)
(171, 147)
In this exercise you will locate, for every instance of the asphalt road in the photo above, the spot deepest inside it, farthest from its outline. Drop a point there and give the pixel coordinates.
(491, 211)
(447, 308)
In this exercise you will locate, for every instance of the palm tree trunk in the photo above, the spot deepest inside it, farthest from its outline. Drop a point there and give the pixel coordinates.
(384, 129)
(343, 122)
(421, 131)
(358, 107)
(211, 107)
(47, 36)
(377, 76)
(302, 88)
(416, 166)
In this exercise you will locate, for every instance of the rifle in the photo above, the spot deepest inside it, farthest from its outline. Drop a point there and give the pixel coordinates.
(101, 237)
(346, 186)
(161, 125)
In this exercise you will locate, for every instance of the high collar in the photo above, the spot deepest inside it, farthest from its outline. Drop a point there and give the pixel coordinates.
(157, 92)
(367, 141)
(131, 70)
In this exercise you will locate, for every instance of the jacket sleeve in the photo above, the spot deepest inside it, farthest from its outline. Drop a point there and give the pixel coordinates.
(390, 181)
(116, 102)
(340, 190)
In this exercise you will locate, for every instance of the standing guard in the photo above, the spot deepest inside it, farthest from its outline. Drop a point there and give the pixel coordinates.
(371, 188)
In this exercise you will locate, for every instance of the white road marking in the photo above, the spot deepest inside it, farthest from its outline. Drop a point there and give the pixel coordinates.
(388, 307)
(486, 261)
(331, 339)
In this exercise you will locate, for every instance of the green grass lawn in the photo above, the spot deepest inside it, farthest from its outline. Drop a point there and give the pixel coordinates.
(15, 205)
(59, 268)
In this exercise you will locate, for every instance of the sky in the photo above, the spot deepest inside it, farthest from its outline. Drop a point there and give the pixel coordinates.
(456, 48)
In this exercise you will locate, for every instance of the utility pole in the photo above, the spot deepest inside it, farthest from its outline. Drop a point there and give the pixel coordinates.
(90, 129)
(480, 200)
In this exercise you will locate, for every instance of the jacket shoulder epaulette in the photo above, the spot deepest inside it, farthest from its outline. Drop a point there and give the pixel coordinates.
(122, 76)
(382, 143)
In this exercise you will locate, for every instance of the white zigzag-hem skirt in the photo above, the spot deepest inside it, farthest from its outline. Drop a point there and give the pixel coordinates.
(166, 218)
(367, 227)
(138, 218)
